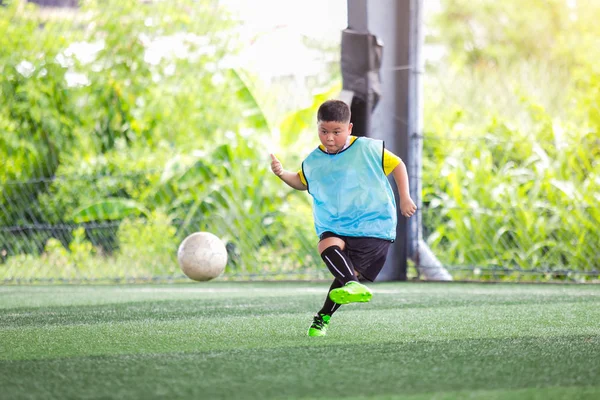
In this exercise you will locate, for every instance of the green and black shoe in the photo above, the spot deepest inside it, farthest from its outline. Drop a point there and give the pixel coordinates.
(351, 292)
(319, 325)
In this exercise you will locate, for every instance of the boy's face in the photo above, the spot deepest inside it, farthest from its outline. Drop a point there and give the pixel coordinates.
(333, 135)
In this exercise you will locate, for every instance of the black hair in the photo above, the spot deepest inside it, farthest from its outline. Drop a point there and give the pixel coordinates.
(334, 111)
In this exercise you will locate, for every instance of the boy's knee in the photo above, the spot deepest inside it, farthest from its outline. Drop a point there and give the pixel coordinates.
(330, 242)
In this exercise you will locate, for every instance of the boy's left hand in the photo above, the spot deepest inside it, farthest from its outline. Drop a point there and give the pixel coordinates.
(407, 207)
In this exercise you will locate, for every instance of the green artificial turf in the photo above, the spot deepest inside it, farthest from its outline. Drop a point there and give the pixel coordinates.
(223, 340)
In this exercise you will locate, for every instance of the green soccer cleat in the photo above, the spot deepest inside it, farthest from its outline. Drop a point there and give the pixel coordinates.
(351, 292)
(319, 325)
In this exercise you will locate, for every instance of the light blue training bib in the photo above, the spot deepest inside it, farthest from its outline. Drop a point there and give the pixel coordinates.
(351, 193)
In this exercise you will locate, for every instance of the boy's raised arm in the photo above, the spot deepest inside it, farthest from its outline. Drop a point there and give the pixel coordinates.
(292, 179)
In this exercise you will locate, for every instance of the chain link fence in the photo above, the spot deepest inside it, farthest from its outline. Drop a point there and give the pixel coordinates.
(519, 211)
(511, 178)
(126, 126)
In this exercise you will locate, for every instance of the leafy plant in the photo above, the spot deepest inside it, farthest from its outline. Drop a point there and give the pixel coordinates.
(37, 114)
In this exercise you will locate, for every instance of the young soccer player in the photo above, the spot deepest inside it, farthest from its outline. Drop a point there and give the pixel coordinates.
(354, 208)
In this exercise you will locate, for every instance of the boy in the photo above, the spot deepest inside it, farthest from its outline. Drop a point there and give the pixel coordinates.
(353, 206)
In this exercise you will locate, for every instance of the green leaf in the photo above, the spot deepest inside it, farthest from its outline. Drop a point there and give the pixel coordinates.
(110, 209)
(253, 113)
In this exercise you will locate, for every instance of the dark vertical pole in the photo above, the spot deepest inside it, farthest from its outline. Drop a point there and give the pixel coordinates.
(390, 21)
(360, 106)
(357, 16)
(394, 23)
(415, 119)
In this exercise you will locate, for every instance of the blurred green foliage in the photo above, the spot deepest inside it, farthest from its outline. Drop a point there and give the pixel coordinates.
(488, 32)
(128, 119)
(125, 127)
(511, 172)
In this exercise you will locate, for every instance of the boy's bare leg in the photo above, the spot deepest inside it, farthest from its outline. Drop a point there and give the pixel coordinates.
(331, 241)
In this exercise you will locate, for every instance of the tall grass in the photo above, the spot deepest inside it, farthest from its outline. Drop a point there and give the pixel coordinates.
(511, 181)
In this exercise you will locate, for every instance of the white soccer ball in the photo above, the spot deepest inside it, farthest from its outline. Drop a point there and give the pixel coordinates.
(202, 256)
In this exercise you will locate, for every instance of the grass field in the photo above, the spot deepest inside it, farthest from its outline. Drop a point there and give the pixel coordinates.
(223, 340)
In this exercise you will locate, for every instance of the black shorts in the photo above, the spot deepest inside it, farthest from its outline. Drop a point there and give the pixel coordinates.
(366, 253)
